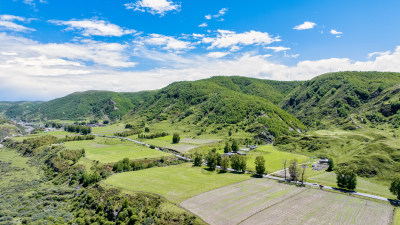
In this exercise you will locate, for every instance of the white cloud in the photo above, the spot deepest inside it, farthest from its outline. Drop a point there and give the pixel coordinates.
(227, 38)
(85, 51)
(153, 6)
(198, 35)
(218, 16)
(6, 23)
(34, 70)
(371, 55)
(278, 48)
(91, 27)
(337, 33)
(11, 18)
(217, 54)
(203, 25)
(305, 26)
(168, 43)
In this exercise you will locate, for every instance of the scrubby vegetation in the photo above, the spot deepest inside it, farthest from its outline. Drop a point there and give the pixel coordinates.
(59, 202)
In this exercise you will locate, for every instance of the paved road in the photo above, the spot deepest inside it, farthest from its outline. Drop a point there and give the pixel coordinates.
(268, 176)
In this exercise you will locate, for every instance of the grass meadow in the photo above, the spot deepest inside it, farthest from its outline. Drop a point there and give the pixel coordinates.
(108, 150)
(176, 183)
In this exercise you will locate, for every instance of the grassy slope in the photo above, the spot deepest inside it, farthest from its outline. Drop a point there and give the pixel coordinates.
(332, 98)
(107, 150)
(363, 185)
(92, 104)
(273, 158)
(207, 104)
(176, 183)
(372, 152)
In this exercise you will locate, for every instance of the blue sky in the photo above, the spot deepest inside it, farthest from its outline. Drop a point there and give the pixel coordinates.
(51, 48)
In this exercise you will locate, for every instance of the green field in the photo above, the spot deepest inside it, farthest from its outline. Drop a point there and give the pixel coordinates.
(57, 133)
(108, 150)
(176, 183)
(273, 158)
(363, 185)
(109, 130)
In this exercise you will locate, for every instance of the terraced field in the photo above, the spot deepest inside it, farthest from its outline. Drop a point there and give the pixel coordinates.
(260, 201)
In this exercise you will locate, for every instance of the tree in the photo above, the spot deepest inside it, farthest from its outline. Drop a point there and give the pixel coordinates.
(211, 160)
(227, 148)
(293, 173)
(346, 178)
(224, 163)
(198, 159)
(235, 146)
(242, 163)
(147, 129)
(260, 165)
(176, 138)
(395, 187)
(238, 163)
(302, 173)
(235, 162)
(284, 167)
(331, 165)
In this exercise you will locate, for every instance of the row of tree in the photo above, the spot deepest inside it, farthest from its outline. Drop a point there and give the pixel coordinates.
(231, 147)
(78, 129)
(152, 136)
(127, 133)
(236, 161)
(77, 138)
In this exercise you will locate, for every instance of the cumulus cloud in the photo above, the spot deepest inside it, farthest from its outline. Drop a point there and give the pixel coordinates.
(278, 48)
(373, 54)
(168, 43)
(337, 33)
(82, 52)
(217, 54)
(203, 25)
(305, 26)
(218, 16)
(34, 70)
(7, 23)
(153, 6)
(92, 27)
(227, 39)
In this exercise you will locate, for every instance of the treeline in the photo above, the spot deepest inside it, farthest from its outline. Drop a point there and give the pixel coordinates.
(152, 136)
(127, 133)
(53, 125)
(78, 129)
(77, 138)
(125, 164)
(214, 159)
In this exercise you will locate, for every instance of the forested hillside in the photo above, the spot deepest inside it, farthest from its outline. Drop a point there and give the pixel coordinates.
(17, 110)
(222, 101)
(90, 104)
(345, 98)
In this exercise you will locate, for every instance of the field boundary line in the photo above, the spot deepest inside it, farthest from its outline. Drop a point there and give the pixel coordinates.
(291, 196)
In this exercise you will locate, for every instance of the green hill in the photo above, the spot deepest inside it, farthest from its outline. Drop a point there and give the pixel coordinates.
(348, 99)
(91, 104)
(17, 110)
(222, 101)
